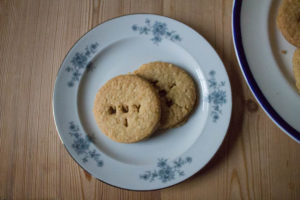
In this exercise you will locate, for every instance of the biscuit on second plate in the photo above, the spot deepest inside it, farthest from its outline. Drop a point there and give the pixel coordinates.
(288, 21)
(296, 68)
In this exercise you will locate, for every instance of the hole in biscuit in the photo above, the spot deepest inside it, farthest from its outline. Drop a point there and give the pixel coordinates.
(153, 82)
(162, 93)
(169, 102)
(173, 85)
(124, 108)
(112, 110)
(125, 122)
(137, 107)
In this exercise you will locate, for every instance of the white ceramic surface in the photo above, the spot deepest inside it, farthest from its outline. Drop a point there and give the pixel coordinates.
(120, 46)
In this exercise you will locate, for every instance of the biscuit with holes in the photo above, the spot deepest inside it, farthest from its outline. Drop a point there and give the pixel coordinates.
(288, 21)
(176, 89)
(296, 68)
(127, 109)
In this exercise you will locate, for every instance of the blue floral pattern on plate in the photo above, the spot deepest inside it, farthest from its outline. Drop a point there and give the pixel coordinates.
(165, 171)
(82, 145)
(159, 30)
(217, 97)
(80, 62)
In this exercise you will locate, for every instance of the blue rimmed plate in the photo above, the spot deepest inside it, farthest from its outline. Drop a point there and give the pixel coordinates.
(265, 58)
(120, 46)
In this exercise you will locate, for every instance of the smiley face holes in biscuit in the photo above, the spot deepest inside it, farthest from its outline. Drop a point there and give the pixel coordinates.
(112, 110)
(123, 109)
(153, 82)
(163, 93)
(169, 102)
(136, 107)
(125, 123)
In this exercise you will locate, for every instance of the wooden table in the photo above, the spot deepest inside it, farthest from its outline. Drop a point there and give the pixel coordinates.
(256, 160)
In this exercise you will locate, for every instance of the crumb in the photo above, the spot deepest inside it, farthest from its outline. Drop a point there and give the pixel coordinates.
(284, 52)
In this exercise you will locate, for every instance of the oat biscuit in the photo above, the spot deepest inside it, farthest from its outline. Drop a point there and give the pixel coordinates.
(288, 21)
(127, 109)
(176, 89)
(296, 68)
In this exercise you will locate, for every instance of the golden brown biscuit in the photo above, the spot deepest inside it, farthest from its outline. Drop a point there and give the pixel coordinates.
(288, 21)
(296, 68)
(176, 89)
(127, 109)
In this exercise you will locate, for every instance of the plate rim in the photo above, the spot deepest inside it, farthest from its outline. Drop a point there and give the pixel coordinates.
(225, 130)
(249, 78)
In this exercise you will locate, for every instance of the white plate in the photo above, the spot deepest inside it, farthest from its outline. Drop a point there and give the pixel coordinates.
(268, 71)
(120, 46)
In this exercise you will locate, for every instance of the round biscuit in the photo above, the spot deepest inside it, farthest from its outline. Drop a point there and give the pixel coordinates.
(176, 89)
(127, 109)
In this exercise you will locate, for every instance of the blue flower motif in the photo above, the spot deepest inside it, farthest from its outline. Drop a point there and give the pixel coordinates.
(146, 175)
(93, 47)
(159, 28)
(134, 27)
(165, 171)
(156, 39)
(69, 69)
(215, 116)
(80, 62)
(85, 160)
(212, 83)
(177, 37)
(76, 75)
(144, 30)
(161, 162)
(70, 84)
(100, 163)
(87, 53)
(181, 173)
(76, 135)
(94, 154)
(178, 163)
(81, 145)
(212, 73)
(159, 31)
(166, 174)
(189, 159)
(217, 97)
(73, 127)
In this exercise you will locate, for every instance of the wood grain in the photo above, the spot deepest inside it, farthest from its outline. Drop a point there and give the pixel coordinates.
(256, 160)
